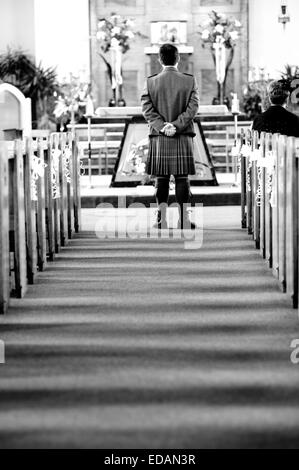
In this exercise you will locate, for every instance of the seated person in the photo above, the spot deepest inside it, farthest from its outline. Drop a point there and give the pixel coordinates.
(277, 120)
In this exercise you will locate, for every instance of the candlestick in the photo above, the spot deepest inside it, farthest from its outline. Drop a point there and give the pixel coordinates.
(284, 16)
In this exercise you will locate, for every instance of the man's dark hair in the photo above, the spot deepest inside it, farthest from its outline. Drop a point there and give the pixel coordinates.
(278, 92)
(169, 54)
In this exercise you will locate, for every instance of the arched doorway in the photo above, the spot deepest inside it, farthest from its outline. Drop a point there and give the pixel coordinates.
(15, 110)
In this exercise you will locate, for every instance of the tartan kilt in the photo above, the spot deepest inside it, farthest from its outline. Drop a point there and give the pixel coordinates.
(171, 155)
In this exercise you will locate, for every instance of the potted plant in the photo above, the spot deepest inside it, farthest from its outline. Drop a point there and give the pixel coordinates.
(255, 94)
(35, 82)
(291, 78)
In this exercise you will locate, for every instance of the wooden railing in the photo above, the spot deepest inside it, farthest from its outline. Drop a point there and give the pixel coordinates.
(270, 209)
(39, 207)
(99, 146)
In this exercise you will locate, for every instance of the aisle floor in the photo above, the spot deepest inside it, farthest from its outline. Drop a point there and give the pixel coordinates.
(146, 344)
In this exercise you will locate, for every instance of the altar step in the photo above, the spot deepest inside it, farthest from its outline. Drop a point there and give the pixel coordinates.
(226, 194)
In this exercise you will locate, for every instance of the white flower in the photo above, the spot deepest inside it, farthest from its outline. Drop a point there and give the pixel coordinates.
(234, 35)
(116, 19)
(219, 29)
(130, 23)
(130, 34)
(114, 43)
(207, 22)
(61, 108)
(101, 35)
(238, 24)
(222, 18)
(205, 34)
(101, 24)
(116, 30)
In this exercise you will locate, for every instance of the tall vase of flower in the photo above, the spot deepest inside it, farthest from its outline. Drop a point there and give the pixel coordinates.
(114, 36)
(221, 34)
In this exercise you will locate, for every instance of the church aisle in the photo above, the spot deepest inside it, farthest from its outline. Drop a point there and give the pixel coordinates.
(143, 344)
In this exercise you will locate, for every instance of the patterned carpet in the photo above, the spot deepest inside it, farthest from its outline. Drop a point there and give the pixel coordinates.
(144, 344)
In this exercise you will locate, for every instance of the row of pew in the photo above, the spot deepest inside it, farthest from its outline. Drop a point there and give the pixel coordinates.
(39, 207)
(270, 207)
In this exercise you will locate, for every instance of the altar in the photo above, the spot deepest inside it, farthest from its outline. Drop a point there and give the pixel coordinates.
(130, 168)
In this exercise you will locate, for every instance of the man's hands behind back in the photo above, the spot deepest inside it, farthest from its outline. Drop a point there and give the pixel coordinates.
(169, 130)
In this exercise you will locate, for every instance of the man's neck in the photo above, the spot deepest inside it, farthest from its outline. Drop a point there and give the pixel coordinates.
(284, 106)
(167, 67)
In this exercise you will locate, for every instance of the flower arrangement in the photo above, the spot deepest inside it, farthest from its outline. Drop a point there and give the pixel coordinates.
(116, 30)
(220, 28)
(221, 34)
(114, 35)
(255, 96)
(72, 100)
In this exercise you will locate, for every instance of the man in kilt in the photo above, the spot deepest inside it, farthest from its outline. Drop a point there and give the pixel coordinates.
(170, 102)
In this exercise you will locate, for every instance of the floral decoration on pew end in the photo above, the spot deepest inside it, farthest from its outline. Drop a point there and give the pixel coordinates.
(37, 171)
(56, 154)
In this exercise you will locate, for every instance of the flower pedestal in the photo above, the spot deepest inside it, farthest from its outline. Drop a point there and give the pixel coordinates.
(112, 102)
(223, 58)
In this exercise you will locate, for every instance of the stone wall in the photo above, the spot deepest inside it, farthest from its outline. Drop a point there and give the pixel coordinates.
(137, 65)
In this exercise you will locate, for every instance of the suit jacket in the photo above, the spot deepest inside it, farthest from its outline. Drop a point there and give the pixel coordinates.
(277, 120)
(170, 96)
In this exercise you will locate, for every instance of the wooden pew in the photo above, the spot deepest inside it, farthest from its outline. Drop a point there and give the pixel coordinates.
(247, 185)
(243, 184)
(39, 207)
(41, 212)
(4, 230)
(282, 181)
(55, 189)
(17, 208)
(255, 201)
(262, 188)
(292, 221)
(30, 212)
(50, 205)
(76, 171)
(275, 210)
(274, 204)
(268, 252)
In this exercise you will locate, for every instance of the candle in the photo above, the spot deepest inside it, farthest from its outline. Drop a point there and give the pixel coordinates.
(257, 73)
(89, 107)
(235, 104)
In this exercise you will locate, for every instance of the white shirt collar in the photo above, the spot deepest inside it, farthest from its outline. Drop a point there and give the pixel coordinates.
(170, 67)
